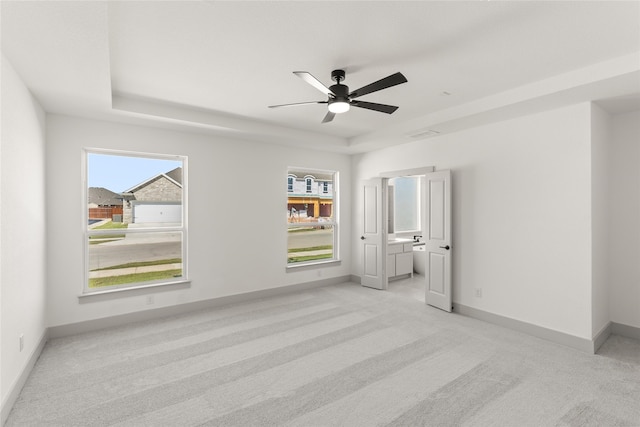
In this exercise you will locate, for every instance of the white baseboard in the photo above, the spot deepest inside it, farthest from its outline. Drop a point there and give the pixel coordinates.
(601, 337)
(140, 316)
(15, 388)
(572, 341)
(625, 330)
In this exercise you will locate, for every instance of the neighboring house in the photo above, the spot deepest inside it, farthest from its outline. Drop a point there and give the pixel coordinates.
(104, 203)
(310, 195)
(156, 200)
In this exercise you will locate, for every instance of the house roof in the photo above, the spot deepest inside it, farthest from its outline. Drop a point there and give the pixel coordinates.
(318, 176)
(174, 175)
(103, 197)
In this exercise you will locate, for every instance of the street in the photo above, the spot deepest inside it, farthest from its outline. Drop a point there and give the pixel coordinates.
(108, 255)
(104, 255)
(310, 238)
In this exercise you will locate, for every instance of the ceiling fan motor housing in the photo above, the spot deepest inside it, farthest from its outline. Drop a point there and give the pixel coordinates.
(337, 75)
(339, 101)
(340, 91)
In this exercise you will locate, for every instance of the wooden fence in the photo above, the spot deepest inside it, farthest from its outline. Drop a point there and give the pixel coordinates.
(102, 213)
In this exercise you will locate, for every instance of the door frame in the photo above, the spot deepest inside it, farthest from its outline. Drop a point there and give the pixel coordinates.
(422, 172)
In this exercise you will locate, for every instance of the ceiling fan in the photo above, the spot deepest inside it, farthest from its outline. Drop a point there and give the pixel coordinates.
(340, 99)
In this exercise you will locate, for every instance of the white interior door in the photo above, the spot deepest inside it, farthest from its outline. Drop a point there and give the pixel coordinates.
(373, 237)
(437, 237)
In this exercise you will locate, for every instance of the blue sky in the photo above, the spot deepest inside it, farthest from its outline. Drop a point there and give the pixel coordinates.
(119, 173)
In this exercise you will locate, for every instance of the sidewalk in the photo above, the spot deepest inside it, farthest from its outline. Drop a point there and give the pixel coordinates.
(310, 253)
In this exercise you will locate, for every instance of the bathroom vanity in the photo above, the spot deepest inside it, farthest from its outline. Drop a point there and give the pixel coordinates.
(399, 258)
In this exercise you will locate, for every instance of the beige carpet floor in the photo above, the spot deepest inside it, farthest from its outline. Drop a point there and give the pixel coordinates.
(334, 356)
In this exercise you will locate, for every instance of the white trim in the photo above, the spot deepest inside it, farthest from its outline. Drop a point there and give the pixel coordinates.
(627, 331)
(310, 265)
(335, 223)
(407, 172)
(601, 337)
(9, 399)
(128, 289)
(582, 344)
(182, 228)
(157, 313)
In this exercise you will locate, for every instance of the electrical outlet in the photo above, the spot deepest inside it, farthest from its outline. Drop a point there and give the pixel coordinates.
(150, 299)
(21, 342)
(478, 292)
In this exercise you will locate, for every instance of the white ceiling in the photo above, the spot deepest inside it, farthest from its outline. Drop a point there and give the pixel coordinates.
(215, 66)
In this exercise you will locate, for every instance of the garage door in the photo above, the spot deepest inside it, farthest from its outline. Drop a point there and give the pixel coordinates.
(157, 213)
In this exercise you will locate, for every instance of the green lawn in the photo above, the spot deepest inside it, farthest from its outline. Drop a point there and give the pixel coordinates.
(134, 278)
(108, 226)
(111, 226)
(309, 258)
(301, 257)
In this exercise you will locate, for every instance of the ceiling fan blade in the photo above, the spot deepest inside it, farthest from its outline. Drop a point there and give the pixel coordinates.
(328, 117)
(307, 77)
(298, 103)
(383, 108)
(392, 80)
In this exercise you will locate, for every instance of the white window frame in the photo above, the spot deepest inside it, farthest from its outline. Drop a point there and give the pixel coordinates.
(183, 229)
(334, 223)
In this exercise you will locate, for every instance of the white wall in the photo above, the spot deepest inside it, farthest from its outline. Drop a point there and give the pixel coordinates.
(521, 214)
(600, 208)
(237, 242)
(22, 227)
(624, 237)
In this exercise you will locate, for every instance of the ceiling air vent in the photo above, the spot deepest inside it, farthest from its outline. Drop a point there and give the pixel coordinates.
(424, 133)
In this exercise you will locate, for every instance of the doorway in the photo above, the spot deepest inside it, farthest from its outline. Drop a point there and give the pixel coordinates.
(380, 240)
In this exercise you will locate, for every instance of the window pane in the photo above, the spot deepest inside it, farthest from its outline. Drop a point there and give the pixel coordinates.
(125, 259)
(406, 203)
(132, 190)
(135, 220)
(310, 243)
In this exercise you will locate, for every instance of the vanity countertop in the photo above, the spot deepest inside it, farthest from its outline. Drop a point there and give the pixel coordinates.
(399, 241)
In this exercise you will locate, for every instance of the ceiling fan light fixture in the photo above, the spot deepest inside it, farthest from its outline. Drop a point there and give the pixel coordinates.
(338, 107)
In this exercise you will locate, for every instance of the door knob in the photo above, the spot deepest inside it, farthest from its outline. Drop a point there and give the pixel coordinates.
(361, 237)
(445, 247)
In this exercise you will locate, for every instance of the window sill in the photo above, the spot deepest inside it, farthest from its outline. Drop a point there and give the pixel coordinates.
(313, 265)
(133, 290)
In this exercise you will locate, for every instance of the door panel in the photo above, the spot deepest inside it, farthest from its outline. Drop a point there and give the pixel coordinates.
(437, 194)
(374, 235)
(371, 260)
(436, 273)
(437, 207)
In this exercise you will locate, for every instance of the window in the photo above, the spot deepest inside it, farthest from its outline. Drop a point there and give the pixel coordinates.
(406, 203)
(312, 226)
(135, 220)
(290, 180)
